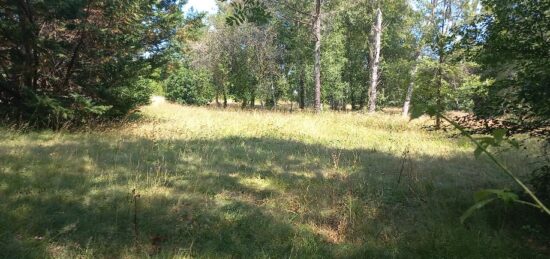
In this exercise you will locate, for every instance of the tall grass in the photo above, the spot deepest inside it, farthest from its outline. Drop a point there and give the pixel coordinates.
(215, 183)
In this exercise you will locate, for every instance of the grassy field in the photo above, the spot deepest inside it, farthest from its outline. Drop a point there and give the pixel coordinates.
(200, 182)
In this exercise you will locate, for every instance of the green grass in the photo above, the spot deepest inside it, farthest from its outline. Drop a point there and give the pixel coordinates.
(253, 184)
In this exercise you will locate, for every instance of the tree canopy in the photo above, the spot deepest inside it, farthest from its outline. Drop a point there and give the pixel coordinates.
(71, 61)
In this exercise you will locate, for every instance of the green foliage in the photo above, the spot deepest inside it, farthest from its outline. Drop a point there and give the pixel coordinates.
(254, 11)
(509, 40)
(189, 86)
(345, 58)
(156, 87)
(75, 109)
(459, 84)
(125, 98)
(334, 60)
(67, 61)
(419, 109)
(242, 62)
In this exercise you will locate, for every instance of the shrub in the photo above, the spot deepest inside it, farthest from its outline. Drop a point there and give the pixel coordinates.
(126, 98)
(188, 86)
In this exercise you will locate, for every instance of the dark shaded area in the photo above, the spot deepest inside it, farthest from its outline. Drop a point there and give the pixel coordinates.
(85, 202)
(479, 125)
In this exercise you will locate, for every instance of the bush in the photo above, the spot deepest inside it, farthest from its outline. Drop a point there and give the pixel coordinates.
(126, 98)
(155, 86)
(188, 86)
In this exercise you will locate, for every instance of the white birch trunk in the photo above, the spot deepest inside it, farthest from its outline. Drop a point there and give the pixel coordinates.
(410, 89)
(376, 61)
(317, 68)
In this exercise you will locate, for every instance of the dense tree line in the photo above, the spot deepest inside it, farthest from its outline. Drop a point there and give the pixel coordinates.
(370, 54)
(71, 61)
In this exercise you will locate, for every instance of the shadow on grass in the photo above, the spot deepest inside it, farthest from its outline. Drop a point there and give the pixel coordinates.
(235, 197)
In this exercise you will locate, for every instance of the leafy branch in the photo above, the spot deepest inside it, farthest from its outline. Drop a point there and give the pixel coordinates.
(248, 10)
(485, 197)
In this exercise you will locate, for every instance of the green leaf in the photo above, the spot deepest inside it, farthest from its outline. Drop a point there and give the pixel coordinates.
(504, 195)
(484, 194)
(507, 196)
(487, 196)
(474, 208)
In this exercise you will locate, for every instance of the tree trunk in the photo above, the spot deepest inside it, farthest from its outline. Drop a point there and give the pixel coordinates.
(376, 61)
(352, 95)
(302, 90)
(410, 89)
(26, 24)
(317, 72)
(408, 98)
(441, 51)
(273, 94)
(253, 99)
(363, 98)
(224, 97)
(76, 48)
(439, 86)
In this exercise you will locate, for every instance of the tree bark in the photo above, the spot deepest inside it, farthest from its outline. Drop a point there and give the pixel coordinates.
(76, 48)
(26, 23)
(252, 97)
(410, 89)
(224, 97)
(302, 90)
(273, 95)
(376, 61)
(408, 98)
(441, 51)
(438, 94)
(352, 98)
(317, 68)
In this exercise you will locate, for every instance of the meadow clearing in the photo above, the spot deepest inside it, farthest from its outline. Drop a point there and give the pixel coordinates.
(202, 182)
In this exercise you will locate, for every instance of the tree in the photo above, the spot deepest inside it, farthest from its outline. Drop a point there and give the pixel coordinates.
(375, 61)
(410, 88)
(317, 51)
(243, 61)
(254, 11)
(189, 86)
(443, 16)
(348, 48)
(510, 39)
(67, 61)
